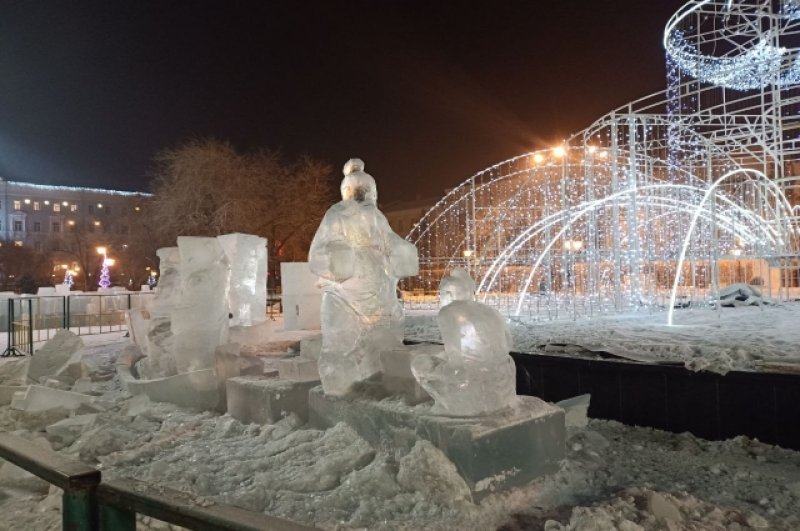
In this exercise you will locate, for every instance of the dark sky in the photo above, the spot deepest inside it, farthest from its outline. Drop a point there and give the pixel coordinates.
(426, 92)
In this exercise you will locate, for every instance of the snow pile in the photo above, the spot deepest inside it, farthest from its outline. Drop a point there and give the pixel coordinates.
(614, 476)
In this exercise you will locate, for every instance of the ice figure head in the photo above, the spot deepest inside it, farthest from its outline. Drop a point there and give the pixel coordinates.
(457, 286)
(357, 184)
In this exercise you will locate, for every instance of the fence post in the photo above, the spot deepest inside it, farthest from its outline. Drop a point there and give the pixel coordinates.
(30, 328)
(78, 512)
(64, 313)
(115, 518)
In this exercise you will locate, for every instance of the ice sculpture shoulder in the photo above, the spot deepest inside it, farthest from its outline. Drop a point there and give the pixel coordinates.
(474, 375)
(359, 260)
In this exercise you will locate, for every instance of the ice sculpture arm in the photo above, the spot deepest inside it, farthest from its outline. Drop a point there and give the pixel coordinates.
(403, 256)
(331, 256)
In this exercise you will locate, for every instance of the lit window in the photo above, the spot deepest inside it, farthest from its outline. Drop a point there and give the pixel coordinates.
(71, 222)
(73, 208)
(18, 243)
(36, 205)
(46, 202)
(17, 205)
(65, 203)
(27, 201)
(56, 207)
(137, 209)
(96, 223)
(99, 205)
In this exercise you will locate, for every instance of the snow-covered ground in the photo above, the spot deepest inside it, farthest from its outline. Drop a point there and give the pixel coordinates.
(744, 338)
(614, 476)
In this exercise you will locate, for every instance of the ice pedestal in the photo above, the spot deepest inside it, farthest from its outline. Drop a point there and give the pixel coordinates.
(261, 400)
(196, 389)
(229, 363)
(252, 335)
(506, 449)
(298, 369)
(247, 297)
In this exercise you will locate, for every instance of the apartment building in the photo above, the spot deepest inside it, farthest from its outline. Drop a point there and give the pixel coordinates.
(42, 217)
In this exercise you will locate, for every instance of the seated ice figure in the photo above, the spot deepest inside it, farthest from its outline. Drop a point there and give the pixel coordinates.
(359, 260)
(474, 375)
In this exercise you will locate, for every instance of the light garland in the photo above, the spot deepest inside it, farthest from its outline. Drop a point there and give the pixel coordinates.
(753, 64)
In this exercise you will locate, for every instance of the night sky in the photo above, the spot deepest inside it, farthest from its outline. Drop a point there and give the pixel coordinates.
(426, 92)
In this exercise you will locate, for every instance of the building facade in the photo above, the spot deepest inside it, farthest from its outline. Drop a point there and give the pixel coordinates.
(42, 217)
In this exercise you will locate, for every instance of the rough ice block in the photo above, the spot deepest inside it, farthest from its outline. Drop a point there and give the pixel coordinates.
(311, 346)
(301, 297)
(495, 452)
(247, 297)
(52, 358)
(267, 400)
(352, 253)
(40, 398)
(200, 320)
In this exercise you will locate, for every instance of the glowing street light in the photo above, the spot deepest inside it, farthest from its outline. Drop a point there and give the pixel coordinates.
(559, 152)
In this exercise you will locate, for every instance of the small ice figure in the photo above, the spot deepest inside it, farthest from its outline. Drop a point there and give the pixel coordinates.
(359, 260)
(474, 375)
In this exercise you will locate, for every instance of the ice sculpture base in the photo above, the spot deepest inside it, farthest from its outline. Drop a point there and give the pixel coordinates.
(195, 389)
(229, 363)
(298, 369)
(261, 400)
(506, 449)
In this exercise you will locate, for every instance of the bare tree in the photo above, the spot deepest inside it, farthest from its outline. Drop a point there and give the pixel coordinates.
(207, 188)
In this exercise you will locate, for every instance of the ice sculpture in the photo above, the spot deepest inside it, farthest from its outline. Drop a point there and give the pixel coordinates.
(154, 335)
(359, 260)
(200, 319)
(474, 375)
(247, 298)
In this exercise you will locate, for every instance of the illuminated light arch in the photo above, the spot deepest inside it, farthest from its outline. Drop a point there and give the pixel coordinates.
(601, 222)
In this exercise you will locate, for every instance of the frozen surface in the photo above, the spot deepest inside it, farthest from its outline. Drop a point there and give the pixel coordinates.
(743, 338)
(474, 375)
(200, 320)
(335, 480)
(247, 297)
(359, 260)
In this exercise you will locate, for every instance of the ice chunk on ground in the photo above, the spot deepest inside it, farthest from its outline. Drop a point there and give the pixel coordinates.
(247, 297)
(359, 260)
(426, 469)
(14, 371)
(54, 357)
(39, 398)
(67, 431)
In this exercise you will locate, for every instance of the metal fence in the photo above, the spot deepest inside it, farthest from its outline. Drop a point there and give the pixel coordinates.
(31, 320)
(93, 504)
